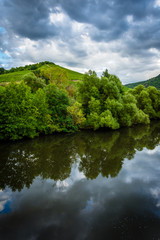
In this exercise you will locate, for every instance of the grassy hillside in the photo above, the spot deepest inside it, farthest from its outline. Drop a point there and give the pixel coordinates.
(155, 81)
(17, 74)
(56, 71)
(13, 77)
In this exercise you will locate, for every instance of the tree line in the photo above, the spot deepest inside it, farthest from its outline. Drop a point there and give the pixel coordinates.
(35, 107)
(26, 67)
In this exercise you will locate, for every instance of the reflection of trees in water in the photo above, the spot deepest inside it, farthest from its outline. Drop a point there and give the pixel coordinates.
(106, 150)
(22, 161)
(53, 156)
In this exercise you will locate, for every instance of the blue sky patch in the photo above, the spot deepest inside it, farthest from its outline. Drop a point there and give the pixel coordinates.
(2, 30)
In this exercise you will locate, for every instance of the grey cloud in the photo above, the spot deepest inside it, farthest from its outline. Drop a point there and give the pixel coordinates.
(31, 18)
(102, 13)
(28, 18)
(111, 19)
(132, 25)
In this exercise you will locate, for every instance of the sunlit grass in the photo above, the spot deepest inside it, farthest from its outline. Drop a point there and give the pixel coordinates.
(13, 77)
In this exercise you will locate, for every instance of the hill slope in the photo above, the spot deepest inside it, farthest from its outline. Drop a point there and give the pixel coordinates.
(17, 74)
(155, 81)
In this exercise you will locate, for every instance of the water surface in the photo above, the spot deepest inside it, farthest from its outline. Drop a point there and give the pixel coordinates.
(88, 185)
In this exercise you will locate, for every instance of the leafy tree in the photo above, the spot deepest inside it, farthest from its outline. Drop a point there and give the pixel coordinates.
(91, 73)
(105, 104)
(88, 88)
(76, 113)
(58, 101)
(33, 82)
(2, 70)
(17, 112)
(105, 73)
(56, 76)
(71, 90)
(44, 123)
(148, 100)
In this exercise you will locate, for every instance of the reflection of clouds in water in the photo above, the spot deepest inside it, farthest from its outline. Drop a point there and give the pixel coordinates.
(156, 150)
(78, 208)
(84, 207)
(75, 175)
(156, 194)
(4, 198)
(144, 166)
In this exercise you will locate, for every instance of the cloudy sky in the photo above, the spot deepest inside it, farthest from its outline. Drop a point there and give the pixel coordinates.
(122, 36)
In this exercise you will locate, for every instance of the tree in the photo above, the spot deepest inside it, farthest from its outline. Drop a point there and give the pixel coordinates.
(105, 73)
(148, 100)
(33, 82)
(17, 112)
(76, 113)
(2, 70)
(58, 101)
(105, 104)
(59, 77)
(44, 123)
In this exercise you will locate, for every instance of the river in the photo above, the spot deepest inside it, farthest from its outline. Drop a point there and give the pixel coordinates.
(87, 185)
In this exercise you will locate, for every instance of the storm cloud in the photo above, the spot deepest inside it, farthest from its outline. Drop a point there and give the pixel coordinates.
(83, 34)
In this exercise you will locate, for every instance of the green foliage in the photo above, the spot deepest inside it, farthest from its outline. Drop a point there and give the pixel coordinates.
(58, 101)
(57, 76)
(155, 82)
(76, 113)
(17, 112)
(106, 104)
(1, 89)
(55, 72)
(44, 123)
(26, 67)
(13, 77)
(27, 114)
(71, 90)
(105, 73)
(2, 70)
(148, 100)
(33, 82)
(87, 89)
(32, 107)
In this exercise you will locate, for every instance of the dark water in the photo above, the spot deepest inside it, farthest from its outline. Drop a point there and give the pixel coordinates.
(88, 185)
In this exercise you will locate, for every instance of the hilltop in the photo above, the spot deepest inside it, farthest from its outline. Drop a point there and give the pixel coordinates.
(43, 69)
(155, 81)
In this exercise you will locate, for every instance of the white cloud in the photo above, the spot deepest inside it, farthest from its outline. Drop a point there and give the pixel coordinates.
(157, 3)
(4, 197)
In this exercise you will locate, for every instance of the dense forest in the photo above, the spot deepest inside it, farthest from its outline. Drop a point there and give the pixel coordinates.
(43, 104)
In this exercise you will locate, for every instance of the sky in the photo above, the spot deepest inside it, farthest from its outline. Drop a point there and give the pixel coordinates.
(120, 35)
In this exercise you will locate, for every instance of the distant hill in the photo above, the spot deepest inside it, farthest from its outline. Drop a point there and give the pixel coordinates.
(155, 81)
(17, 74)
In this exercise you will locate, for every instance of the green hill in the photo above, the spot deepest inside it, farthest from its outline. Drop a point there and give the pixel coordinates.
(13, 77)
(155, 81)
(55, 71)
